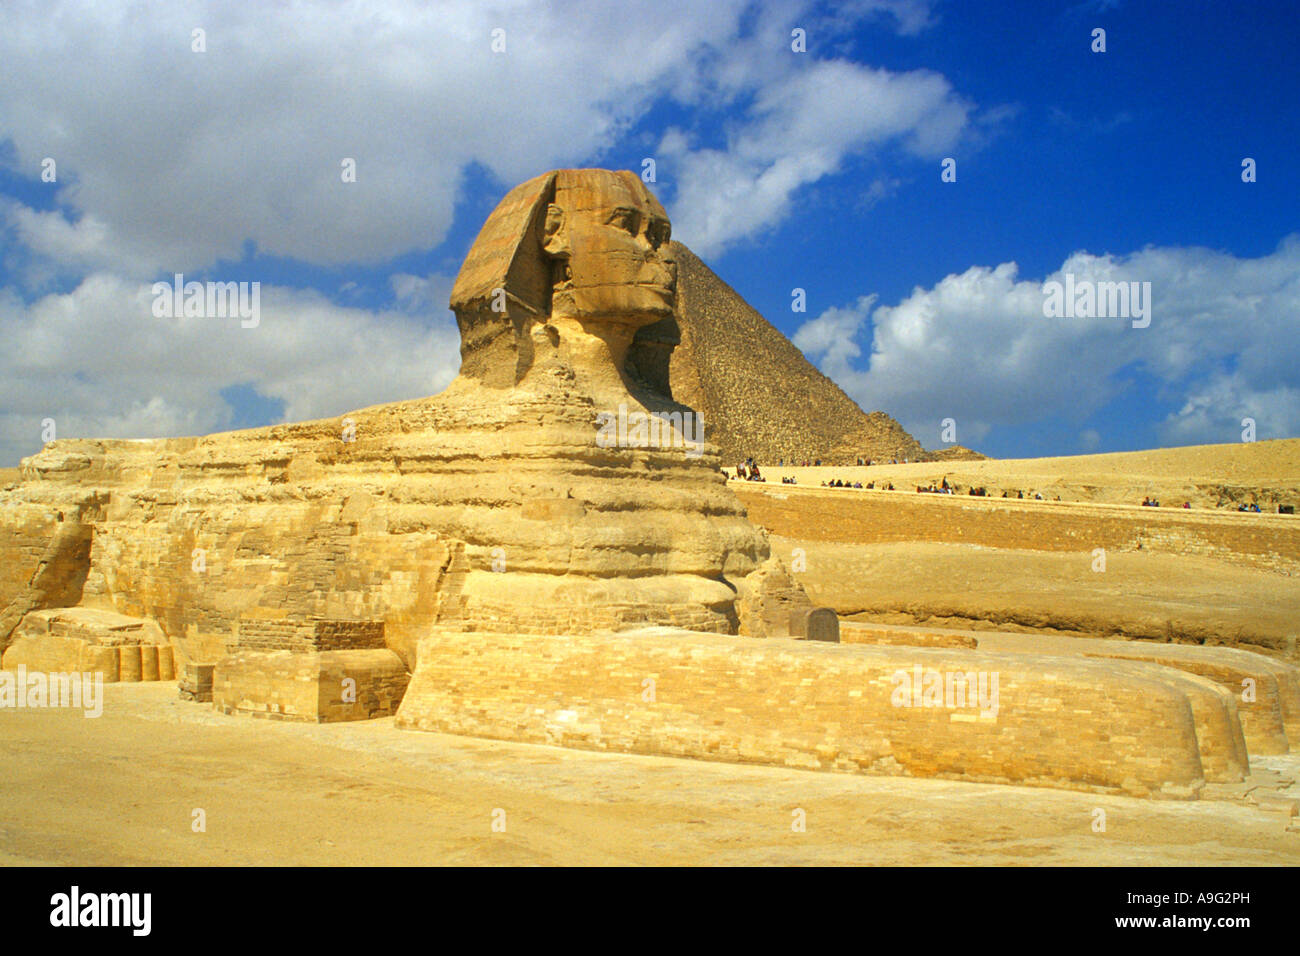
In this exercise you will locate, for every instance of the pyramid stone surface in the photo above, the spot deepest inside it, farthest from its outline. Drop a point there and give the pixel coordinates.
(757, 393)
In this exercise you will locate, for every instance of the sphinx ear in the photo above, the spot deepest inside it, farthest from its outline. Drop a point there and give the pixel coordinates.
(555, 235)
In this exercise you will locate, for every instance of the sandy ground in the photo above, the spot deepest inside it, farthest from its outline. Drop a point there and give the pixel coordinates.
(1140, 594)
(121, 789)
(1205, 475)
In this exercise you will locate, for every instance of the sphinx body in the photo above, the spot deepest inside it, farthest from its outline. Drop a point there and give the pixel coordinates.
(492, 506)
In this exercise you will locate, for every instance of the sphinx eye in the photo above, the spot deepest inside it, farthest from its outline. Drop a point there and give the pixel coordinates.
(626, 219)
(657, 232)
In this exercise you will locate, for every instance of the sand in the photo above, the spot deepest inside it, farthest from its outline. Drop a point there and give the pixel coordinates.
(121, 789)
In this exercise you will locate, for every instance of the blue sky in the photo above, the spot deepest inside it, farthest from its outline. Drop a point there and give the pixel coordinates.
(817, 170)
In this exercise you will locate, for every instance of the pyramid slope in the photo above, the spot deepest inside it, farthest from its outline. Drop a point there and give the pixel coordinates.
(757, 392)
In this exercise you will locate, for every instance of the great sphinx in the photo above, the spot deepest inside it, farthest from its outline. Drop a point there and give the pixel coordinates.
(536, 581)
(492, 506)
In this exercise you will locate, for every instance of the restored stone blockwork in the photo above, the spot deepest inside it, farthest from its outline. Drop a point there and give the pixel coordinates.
(314, 687)
(263, 634)
(1087, 725)
(312, 670)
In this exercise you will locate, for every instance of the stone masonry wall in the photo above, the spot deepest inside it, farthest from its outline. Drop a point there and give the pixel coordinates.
(263, 634)
(313, 687)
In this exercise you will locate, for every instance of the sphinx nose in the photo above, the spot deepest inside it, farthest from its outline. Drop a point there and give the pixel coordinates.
(667, 260)
(664, 271)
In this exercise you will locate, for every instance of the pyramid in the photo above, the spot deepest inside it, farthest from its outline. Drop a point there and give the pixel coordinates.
(756, 392)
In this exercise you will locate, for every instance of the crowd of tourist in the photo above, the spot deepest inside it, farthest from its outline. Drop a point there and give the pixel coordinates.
(748, 470)
(816, 462)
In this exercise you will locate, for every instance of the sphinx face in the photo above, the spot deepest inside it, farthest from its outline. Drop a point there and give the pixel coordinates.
(608, 239)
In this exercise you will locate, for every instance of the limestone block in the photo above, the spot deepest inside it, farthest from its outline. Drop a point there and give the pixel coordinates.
(44, 653)
(196, 682)
(317, 687)
(770, 603)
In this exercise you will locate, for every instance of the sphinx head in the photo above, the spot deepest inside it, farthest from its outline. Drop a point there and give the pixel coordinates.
(580, 252)
(607, 237)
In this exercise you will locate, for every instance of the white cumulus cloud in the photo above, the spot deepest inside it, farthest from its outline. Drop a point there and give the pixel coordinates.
(100, 364)
(1221, 346)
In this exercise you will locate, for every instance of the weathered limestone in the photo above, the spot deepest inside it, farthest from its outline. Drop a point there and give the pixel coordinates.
(772, 604)
(59, 575)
